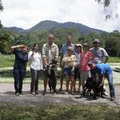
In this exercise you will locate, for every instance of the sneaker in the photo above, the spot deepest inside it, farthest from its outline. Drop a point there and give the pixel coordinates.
(17, 94)
(66, 93)
(105, 93)
(33, 93)
(112, 98)
(44, 92)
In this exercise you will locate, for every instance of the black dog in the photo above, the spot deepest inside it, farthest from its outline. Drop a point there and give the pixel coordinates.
(52, 76)
(93, 84)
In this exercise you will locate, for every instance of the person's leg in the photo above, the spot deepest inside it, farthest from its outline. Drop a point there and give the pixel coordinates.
(45, 81)
(72, 82)
(61, 78)
(37, 81)
(67, 82)
(32, 81)
(111, 86)
(79, 84)
(75, 78)
(22, 75)
(16, 80)
(84, 76)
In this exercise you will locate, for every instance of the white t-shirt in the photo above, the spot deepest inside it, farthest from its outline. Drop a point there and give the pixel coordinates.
(35, 60)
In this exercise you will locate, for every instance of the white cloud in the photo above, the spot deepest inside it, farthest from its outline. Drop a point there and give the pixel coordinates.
(25, 14)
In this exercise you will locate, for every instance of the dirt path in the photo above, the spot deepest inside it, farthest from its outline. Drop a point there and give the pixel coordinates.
(7, 96)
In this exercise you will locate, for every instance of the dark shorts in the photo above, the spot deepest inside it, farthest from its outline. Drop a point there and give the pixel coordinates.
(69, 71)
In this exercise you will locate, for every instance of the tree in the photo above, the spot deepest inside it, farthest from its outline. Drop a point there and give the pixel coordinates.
(1, 9)
(110, 8)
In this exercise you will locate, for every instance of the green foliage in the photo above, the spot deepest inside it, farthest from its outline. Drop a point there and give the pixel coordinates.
(6, 39)
(58, 112)
(109, 41)
(112, 44)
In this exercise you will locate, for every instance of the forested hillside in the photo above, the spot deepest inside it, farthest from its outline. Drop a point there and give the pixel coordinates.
(110, 41)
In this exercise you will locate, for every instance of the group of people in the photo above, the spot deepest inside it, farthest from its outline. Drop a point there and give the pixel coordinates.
(77, 61)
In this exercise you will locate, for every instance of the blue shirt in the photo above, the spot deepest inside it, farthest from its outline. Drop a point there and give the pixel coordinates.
(20, 60)
(102, 69)
(63, 50)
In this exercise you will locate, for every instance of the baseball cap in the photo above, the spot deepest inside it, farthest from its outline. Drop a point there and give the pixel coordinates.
(96, 41)
(85, 45)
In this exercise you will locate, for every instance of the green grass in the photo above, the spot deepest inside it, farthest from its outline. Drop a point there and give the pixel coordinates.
(114, 60)
(58, 112)
(6, 60)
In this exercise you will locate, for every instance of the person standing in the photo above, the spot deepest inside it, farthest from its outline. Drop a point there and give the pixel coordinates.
(63, 52)
(19, 70)
(85, 57)
(69, 62)
(50, 52)
(78, 51)
(36, 65)
(100, 55)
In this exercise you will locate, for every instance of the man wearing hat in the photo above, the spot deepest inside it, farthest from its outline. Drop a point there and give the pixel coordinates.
(99, 55)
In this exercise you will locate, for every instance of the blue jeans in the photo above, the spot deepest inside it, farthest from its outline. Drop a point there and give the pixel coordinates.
(19, 75)
(111, 86)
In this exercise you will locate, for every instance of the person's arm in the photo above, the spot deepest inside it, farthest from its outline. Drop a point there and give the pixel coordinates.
(16, 46)
(57, 53)
(61, 56)
(106, 56)
(30, 56)
(102, 80)
(44, 55)
(106, 59)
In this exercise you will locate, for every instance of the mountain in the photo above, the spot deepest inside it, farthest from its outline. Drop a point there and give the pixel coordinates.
(16, 29)
(48, 25)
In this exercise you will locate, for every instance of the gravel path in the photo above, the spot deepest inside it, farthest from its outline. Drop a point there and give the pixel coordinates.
(7, 96)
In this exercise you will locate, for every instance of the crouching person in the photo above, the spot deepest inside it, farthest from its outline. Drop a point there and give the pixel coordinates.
(69, 62)
(104, 71)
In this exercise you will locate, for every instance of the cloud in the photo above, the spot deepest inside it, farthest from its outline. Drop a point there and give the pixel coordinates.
(25, 14)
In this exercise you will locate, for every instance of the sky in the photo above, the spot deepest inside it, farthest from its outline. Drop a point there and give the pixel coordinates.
(27, 13)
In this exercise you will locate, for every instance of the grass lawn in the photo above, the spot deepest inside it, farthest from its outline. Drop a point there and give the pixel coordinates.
(58, 112)
(8, 60)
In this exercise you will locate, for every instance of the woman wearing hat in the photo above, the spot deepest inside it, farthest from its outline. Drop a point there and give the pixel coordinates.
(78, 51)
